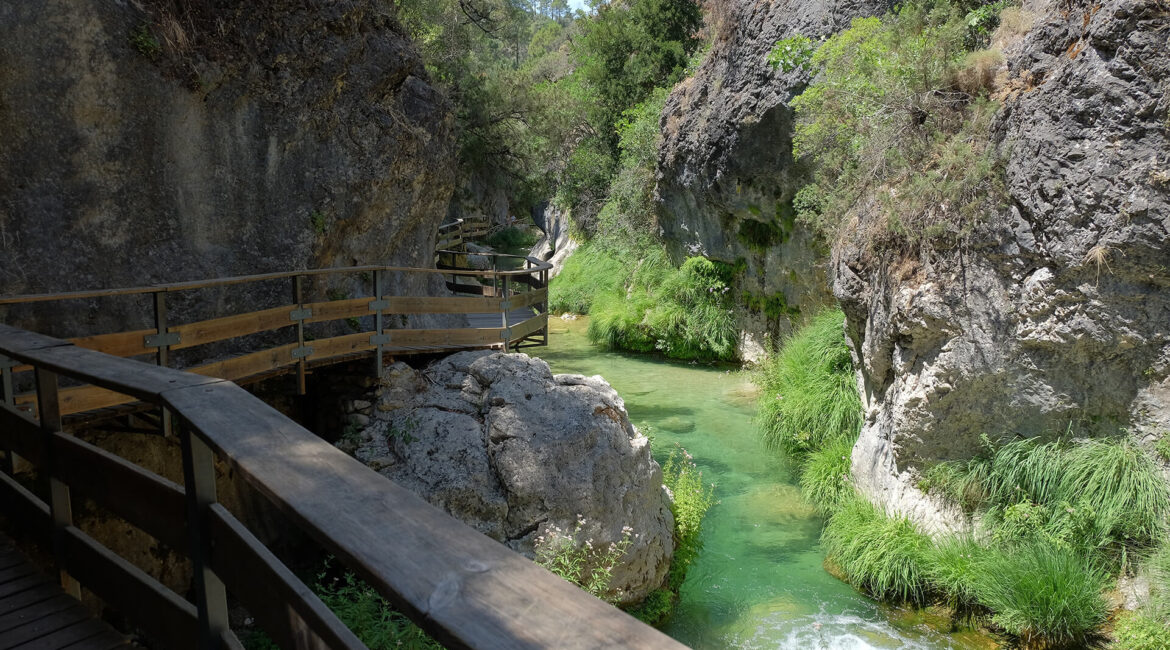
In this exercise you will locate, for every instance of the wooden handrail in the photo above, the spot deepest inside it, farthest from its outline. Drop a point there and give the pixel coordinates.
(465, 589)
(170, 336)
(261, 277)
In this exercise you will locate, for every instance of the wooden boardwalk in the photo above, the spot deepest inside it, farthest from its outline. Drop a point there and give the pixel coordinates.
(35, 614)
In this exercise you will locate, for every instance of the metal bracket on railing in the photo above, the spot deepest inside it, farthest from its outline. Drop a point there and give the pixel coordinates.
(380, 339)
(302, 352)
(300, 314)
(506, 335)
(506, 305)
(379, 305)
(6, 363)
(162, 340)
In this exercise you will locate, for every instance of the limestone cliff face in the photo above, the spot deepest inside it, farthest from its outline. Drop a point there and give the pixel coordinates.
(1058, 313)
(726, 176)
(146, 146)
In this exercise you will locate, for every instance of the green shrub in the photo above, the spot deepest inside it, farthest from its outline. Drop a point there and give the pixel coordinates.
(1044, 594)
(882, 555)
(1140, 631)
(809, 396)
(824, 475)
(886, 131)
(656, 608)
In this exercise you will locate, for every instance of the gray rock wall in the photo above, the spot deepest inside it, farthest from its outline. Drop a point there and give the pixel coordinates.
(1057, 314)
(726, 176)
(144, 147)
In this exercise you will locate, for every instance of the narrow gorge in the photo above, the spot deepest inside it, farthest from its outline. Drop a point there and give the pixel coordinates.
(760, 323)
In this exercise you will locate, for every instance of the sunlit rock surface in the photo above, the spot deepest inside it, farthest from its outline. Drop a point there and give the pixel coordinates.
(499, 442)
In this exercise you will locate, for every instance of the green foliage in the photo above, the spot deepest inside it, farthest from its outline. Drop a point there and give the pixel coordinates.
(884, 124)
(1162, 447)
(809, 394)
(824, 475)
(883, 555)
(318, 222)
(590, 271)
(370, 617)
(144, 40)
(628, 49)
(982, 21)
(1140, 631)
(792, 53)
(656, 608)
(774, 306)
(579, 562)
(511, 238)
(1094, 493)
(1043, 594)
(952, 567)
(363, 611)
(690, 501)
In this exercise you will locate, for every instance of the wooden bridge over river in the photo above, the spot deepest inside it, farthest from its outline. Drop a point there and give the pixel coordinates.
(465, 589)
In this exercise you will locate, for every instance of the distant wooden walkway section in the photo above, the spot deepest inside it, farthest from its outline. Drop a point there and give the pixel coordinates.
(502, 309)
(36, 614)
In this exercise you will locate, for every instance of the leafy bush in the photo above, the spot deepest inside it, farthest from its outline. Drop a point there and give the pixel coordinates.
(1140, 631)
(824, 475)
(1046, 595)
(883, 555)
(690, 501)
(809, 397)
(886, 130)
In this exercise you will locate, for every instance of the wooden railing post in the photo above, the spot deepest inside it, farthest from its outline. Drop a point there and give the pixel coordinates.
(505, 304)
(49, 412)
(379, 338)
(161, 342)
(299, 317)
(6, 365)
(210, 594)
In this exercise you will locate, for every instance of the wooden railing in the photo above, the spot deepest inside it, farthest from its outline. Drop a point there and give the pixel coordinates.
(457, 233)
(465, 589)
(504, 308)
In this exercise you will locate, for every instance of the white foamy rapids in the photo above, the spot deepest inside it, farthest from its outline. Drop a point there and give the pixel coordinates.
(826, 631)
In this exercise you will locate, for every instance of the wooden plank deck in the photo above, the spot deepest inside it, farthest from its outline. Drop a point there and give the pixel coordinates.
(35, 614)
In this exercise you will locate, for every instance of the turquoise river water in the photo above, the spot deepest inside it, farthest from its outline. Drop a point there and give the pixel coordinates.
(759, 582)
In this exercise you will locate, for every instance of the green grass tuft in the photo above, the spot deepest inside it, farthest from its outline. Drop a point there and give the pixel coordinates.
(882, 555)
(810, 397)
(952, 569)
(824, 476)
(1094, 493)
(589, 272)
(1046, 595)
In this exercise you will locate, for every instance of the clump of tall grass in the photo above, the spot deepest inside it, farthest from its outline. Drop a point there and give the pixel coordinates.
(824, 475)
(1091, 493)
(952, 568)
(809, 396)
(1146, 628)
(881, 554)
(1047, 595)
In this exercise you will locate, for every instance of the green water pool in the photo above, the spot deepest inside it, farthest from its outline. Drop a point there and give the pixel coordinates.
(759, 582)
